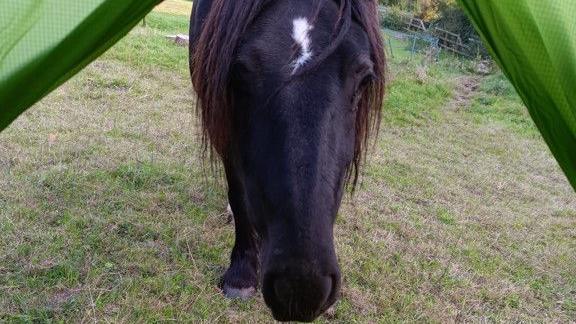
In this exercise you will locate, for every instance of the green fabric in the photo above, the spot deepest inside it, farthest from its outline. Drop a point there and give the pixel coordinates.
(45, 42)
(534, 42)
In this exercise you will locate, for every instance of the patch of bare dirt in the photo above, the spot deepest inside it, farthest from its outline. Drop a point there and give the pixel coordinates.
(466, 88)
(60, 298)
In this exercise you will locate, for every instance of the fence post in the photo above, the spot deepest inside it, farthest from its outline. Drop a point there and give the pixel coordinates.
(413, 47)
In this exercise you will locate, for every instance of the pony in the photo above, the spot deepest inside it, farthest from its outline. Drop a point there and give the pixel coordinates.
(288, 94)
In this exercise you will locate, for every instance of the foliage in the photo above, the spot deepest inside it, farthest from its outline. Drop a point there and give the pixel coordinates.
(444, 12)
(452, 18)
(407, 5)
(394, 18)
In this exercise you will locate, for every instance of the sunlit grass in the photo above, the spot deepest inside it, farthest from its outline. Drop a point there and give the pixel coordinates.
(175, 7)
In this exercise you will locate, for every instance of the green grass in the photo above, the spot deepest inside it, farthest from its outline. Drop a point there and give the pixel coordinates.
(107, 212)
(498, 103)
(148, 46)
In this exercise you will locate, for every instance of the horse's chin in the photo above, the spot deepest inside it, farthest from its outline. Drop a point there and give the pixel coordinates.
(238, 293)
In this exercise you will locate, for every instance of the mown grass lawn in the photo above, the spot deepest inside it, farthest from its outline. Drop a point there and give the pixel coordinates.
(107, 212)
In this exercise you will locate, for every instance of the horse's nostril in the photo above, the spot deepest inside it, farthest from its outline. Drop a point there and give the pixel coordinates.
(283, 290)
(334, 291)
(300, 298)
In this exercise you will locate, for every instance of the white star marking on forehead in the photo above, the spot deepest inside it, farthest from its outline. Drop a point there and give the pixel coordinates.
(301, 35)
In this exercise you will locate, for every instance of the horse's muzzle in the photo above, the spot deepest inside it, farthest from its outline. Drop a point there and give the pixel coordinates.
(294, 296)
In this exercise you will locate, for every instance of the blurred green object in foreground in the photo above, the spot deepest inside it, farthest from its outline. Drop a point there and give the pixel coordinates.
(534, 42)
(45, 42)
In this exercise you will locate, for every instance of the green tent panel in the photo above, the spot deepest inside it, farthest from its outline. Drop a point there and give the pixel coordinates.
(534, 42)
(45, 42)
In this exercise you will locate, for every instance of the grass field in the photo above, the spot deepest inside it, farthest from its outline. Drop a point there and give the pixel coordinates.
(107, 213)
(175, 7)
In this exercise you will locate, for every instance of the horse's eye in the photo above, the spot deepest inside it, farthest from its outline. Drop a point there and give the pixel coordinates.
(362, 85)
(240, 69)
(366, 81)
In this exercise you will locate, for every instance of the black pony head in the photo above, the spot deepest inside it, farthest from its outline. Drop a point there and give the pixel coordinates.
(289, 92)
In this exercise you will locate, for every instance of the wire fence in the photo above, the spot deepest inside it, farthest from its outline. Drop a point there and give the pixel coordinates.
(403, 46)
(407, 37)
